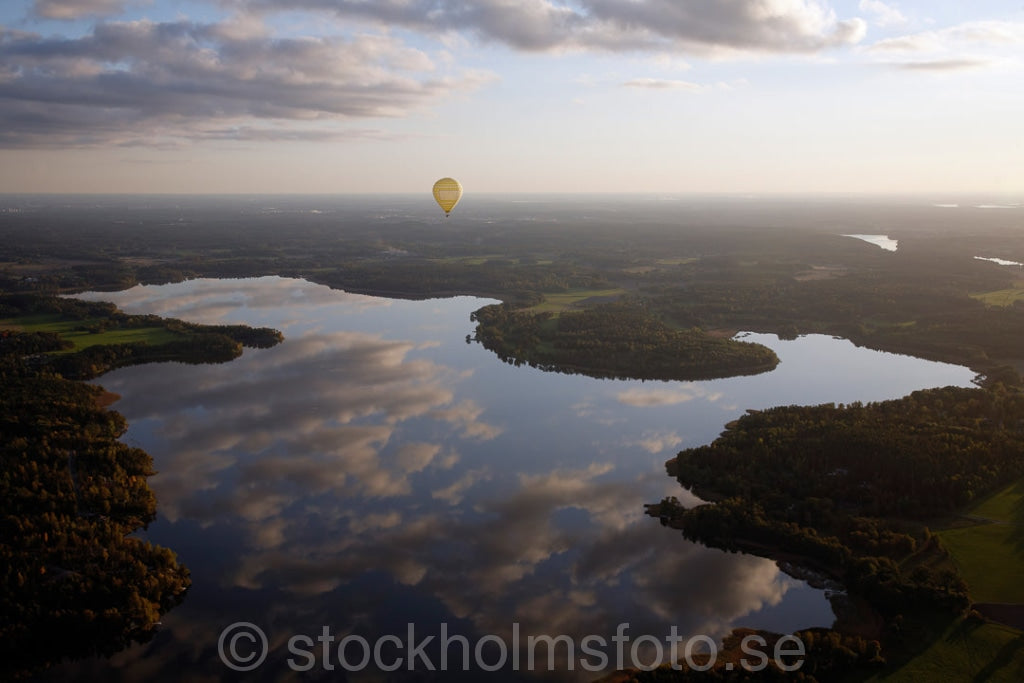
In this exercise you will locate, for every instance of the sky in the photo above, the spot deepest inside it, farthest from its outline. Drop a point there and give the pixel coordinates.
(518, 96)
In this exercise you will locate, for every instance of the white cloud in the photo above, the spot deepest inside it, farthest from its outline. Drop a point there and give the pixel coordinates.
(663, 84)
(466, 416)
(657, 442)
(969, 45)
(658, 397)
(884, 15)
(974, 34)
(943, 64)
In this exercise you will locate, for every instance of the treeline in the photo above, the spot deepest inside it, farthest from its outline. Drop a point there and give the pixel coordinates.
(920, 456)
(901, 313)
(193, 343)
(30, 343)
(420, 278)
(614, 340)
(73, 582)
(846, 490)
(94, 361)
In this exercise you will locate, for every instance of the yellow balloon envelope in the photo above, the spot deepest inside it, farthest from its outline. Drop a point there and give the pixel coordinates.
(447, 193)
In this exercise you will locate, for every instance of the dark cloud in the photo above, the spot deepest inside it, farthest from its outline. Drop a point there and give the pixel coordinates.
(152, 83)
(675, 25)
(163, 84)
(75, 9)
(764, 25)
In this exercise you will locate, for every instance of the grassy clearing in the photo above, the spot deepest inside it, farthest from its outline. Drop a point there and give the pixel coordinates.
(990, 557)
(1002, 297)
(556, 303)
(1006, 505)
(70, 330)
(658, 264)
(471, 260)
(990, 554)
(966, 652)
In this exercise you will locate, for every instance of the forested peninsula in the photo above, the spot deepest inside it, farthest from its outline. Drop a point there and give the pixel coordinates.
(849, 492)
(620, 340)
(75, 582)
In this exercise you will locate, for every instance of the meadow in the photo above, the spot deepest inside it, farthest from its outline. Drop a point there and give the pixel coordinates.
(989, 549)
(89, 332)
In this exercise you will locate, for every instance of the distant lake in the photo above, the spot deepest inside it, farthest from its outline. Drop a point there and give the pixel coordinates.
(1000, 261)
(882, 241)
(374, 471)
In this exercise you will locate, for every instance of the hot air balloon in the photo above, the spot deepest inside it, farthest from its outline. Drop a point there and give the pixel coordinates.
(447, 193)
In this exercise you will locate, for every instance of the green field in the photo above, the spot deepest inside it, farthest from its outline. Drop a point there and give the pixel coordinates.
(481, 259)
(990, 552)
(966, 652)
(1002, 297)
(1005, 506)
(990, 557)
(556, 303)
(53, 322)
(472, 260)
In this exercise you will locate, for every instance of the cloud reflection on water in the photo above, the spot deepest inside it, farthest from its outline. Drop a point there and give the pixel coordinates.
(344, 458)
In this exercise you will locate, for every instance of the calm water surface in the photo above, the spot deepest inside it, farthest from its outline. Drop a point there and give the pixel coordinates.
(375, 471)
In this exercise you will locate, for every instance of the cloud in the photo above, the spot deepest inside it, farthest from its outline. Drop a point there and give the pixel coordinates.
(609, 25)
(976, 34)
(455, 492)
(641, 398)
(758, 25)
(312, 416)
(210, 300)
(884, 15)
(76, 9)
(416, 456)
(495, 566)
(943, 64)
(663, 84)
(657, 442)
(148, 83)
(969, 45)
(465, 416)
(170, 84)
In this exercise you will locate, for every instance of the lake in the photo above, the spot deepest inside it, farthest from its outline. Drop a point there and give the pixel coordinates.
(882, 241)
(376, 475)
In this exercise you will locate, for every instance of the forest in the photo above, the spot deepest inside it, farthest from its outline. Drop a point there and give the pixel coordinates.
(75, 582)
(849, 491)
(185, 342)
(621, 340)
